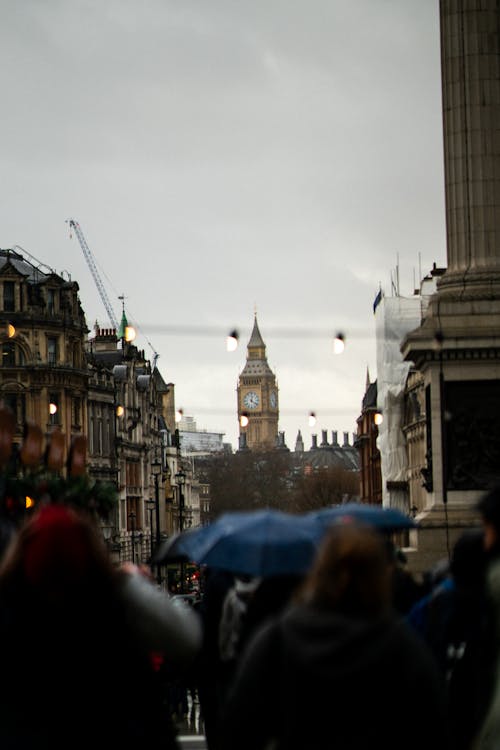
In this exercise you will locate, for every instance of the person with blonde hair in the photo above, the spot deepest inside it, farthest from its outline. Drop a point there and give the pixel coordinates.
(339, 668)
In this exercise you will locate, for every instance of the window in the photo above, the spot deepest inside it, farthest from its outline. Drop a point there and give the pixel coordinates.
(51, 301)
(11, 355)
(75, 355)
(77, 409)
(99, 436)
(52, 350)
(133, 477)
(17, 403)
(8, 354)
(9, 299)
(134, 519)
(107, 438)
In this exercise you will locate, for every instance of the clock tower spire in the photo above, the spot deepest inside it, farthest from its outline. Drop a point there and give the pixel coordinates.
(257, 396)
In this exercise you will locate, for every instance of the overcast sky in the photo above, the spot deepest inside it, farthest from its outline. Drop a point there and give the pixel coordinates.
(223, 156)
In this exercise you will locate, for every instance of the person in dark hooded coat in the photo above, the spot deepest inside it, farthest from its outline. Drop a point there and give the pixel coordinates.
(338, 668)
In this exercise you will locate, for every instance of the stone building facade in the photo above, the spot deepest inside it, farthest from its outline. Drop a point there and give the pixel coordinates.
(43, 370)
(370, 490)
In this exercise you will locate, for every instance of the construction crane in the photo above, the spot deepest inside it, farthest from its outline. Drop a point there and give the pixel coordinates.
(95, 273)
(74, 225)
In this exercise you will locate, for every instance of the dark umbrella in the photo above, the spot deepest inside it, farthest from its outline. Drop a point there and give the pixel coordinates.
(170, 551)
(256, 543)
(383, 518)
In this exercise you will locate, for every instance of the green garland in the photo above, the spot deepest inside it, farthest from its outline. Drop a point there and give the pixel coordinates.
(21, 494)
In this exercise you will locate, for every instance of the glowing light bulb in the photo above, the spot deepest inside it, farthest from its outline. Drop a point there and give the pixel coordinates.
(232, 341)
(244, 420)
(312, 419)
(11, 331)
(52, 408)
(378, 418)
(338, 343)
(178, 415)
(120, 411)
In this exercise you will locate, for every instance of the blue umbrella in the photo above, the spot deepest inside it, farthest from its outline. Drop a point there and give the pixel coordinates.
(383, 518)
(170, 551)
(257, 543)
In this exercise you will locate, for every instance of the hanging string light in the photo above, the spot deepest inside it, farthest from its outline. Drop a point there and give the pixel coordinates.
(339, 343)
(232, 340)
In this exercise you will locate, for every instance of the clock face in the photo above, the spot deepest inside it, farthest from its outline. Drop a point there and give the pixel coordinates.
(251, 400)
(273, 399)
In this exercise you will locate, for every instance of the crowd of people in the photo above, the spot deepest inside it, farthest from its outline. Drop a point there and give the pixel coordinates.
(352, 654)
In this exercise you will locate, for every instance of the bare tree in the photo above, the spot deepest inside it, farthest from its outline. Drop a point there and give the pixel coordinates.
(324, 488)
(249, 480)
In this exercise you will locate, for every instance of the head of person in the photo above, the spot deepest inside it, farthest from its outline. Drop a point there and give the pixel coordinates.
(57, 554)
(489, 509)
(351, 574)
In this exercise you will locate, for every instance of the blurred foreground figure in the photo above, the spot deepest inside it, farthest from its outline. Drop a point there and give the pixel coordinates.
(454, 619)
(338, 668)
(489, 507)
(77, 639)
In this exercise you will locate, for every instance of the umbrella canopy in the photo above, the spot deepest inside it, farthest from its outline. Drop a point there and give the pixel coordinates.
(257, 543)
(383, 518)
(170, 550)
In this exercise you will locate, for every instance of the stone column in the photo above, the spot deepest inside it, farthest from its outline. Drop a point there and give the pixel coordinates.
(470, 69)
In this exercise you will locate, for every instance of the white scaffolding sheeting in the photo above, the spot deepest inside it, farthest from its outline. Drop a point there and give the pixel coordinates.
(394, 318)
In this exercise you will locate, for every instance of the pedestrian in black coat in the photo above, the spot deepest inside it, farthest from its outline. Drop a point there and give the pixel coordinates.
(338, 668)
(455, 620)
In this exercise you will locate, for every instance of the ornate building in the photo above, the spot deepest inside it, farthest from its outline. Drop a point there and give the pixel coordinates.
(366, 443)
(43, 371)
(257, 397)
(102, 389)
(125, 440)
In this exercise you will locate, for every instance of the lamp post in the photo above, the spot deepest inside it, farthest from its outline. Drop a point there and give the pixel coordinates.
(181, 481)
(132, 528)
(180, 478)
(150, 504)
(156, 471)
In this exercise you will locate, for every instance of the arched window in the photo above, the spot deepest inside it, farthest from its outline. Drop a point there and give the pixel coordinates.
(17, 403)
(12, 355)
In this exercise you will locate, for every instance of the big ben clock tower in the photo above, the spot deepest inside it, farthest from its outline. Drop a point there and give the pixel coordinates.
(258, 397)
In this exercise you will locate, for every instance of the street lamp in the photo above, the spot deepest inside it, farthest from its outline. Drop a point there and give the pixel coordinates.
(180, 478)
(151, 505)
(132, 518)
(156, 468)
